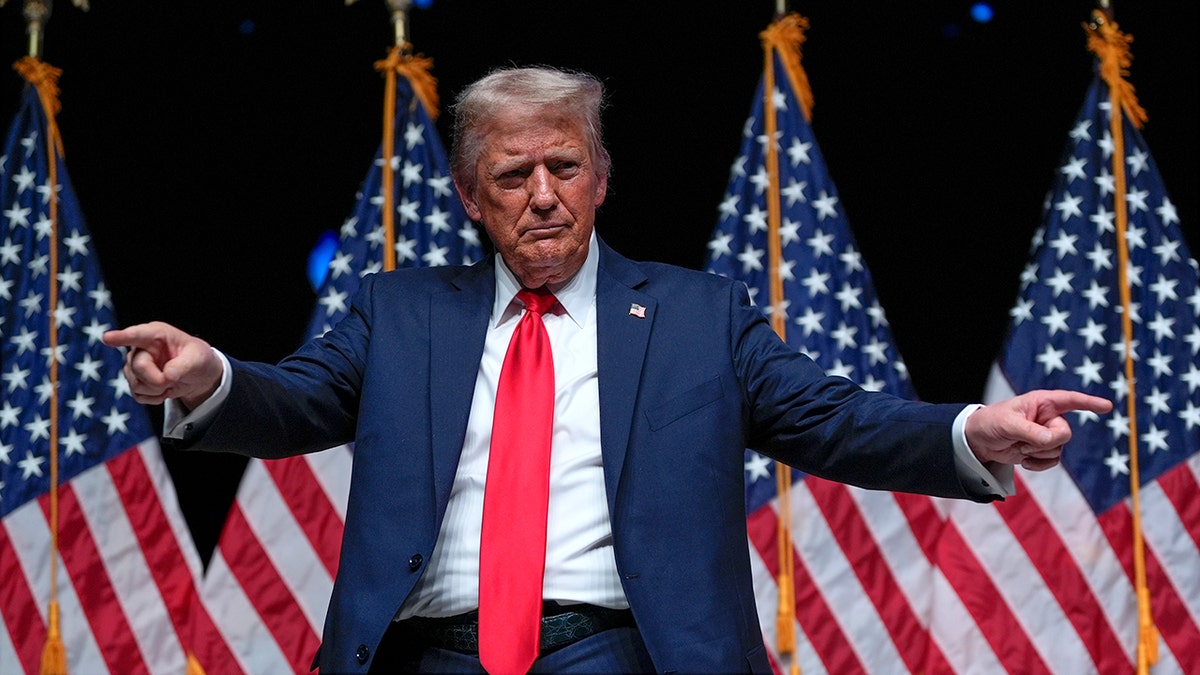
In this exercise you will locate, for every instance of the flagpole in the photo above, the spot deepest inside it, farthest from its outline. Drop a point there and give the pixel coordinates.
(1111, 46)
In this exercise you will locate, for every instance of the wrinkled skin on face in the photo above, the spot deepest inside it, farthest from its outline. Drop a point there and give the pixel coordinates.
(536, 190)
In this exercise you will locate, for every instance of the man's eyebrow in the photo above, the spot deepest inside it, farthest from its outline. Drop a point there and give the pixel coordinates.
(508, 164)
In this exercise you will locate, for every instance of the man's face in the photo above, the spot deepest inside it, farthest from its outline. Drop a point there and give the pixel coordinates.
(536, 192)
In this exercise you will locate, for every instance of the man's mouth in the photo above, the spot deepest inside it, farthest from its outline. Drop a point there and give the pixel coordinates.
(545, 229)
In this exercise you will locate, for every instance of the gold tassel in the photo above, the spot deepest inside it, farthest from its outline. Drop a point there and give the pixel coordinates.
(419, 72)
(416, 69)
(785, 615)
(786, 35)
(783, 37)
(193, 665)
(1147, 633)
(44, 79)
(1111, 46)
(54, 653)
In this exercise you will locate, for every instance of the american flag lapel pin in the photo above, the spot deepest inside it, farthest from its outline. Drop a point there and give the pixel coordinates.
(637, 310)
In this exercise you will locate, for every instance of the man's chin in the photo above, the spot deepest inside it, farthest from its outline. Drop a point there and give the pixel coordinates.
(535, 271)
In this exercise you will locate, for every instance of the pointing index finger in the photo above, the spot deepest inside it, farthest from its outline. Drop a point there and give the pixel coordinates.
(141, 336)
(1055, 403)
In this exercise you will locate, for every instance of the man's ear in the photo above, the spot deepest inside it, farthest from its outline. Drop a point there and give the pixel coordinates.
(601, 188)
(470, 204)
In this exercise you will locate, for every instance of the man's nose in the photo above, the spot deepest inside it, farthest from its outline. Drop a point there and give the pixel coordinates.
(543, 189)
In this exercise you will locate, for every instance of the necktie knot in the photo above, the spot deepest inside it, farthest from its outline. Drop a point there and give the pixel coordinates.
(538, 301)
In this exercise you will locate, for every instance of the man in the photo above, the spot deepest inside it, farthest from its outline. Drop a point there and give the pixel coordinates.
(661, 378)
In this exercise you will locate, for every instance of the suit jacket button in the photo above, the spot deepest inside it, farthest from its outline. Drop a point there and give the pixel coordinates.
(362, 654)
(414, 563)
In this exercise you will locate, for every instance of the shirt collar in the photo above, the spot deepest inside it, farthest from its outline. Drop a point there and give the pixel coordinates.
(576, 294)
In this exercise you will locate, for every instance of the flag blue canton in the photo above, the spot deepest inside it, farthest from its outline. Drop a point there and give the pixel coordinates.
(1066, 328)
(829, 300)
(97, 417)
(431, 227)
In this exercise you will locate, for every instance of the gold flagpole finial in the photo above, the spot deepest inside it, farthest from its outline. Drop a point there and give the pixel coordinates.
(37, 13)
(399, 10)
(400, 20)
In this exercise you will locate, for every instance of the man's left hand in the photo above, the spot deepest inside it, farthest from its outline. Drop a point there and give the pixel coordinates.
(1028, 429)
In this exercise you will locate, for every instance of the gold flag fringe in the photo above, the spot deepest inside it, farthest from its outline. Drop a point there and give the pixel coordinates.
(1111, 47)
(416, 69)
(44, 78)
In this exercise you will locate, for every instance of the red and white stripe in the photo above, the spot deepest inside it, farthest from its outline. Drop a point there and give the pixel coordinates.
(269, 581)
(889, 583)
(863, 578)
(1050, 584)
(128, 573)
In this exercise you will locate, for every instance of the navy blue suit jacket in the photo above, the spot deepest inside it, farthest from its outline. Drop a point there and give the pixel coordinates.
(683, 392)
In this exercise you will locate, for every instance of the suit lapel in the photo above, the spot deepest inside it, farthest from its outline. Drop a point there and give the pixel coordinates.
(621, 339)
(457, 328)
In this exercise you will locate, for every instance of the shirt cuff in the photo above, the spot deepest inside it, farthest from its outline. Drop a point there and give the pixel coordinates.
(179, 423)
(988, 480)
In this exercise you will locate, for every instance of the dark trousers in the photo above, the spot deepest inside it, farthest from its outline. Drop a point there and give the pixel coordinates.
(617, 650)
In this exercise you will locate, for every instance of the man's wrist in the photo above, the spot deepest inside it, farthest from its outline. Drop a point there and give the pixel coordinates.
(982, 479)
(185, 417)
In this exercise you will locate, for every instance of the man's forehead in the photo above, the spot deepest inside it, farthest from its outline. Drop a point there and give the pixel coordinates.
(533, 119)
(535, 140)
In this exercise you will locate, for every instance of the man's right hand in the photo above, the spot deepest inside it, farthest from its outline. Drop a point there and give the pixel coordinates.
(164, 362)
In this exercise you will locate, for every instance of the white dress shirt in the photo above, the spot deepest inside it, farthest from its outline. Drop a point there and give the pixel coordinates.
(580, 566)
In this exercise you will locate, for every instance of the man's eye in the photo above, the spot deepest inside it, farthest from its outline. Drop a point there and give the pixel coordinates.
(510, 179)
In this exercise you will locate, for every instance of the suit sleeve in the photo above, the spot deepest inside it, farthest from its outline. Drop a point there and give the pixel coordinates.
(829, 427)
(306, 403)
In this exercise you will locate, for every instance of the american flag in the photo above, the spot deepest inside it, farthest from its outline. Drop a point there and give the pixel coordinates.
(1046, 577)
(862, 559)
(269, 581)
(127, 570)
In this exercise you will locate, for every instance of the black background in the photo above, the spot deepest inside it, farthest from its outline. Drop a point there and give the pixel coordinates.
(211, 143)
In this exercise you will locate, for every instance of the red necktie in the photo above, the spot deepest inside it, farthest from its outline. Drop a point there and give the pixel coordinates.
(512, 550)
